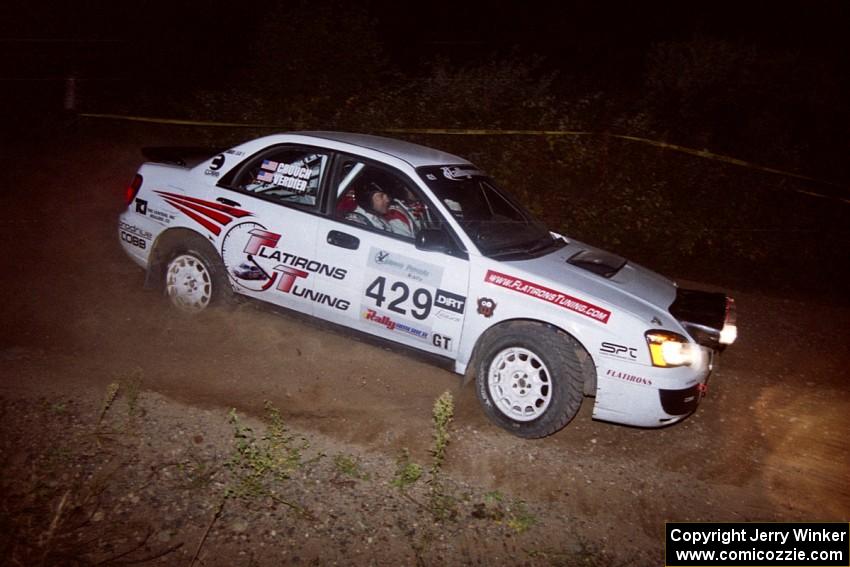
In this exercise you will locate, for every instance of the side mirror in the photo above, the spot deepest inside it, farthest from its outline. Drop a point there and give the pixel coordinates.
(434, 240)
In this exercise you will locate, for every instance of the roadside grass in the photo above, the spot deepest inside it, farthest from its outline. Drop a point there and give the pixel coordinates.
(268, 465)
(349, 466)
(407, 473)
(108, 399)
(442, 503)
(55, 514)
(258, 463)
(132, 391)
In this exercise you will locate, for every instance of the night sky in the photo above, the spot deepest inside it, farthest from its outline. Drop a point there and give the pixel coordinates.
(603, 44)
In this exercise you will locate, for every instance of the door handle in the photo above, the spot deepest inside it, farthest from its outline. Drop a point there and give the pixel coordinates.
(228, 202)
(343, 240)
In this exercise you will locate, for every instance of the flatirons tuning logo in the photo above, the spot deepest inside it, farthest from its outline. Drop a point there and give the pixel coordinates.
(212, 216)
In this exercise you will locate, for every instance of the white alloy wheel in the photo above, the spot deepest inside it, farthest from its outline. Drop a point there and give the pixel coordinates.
(188, 283)
(520, 384)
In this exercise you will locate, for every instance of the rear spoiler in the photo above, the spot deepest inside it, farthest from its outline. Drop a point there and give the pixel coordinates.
(184, 156)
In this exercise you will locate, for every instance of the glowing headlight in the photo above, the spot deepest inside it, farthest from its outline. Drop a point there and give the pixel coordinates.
(729, 332)
(671, 349)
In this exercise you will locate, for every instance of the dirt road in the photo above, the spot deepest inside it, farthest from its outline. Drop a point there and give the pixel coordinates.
(769, 443)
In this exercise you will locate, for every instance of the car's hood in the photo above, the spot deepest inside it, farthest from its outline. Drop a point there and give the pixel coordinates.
(593, 273)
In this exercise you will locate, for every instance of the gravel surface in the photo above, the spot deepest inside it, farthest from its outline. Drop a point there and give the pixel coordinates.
(159, 473)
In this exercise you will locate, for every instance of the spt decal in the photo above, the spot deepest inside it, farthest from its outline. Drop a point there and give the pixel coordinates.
(620, 351)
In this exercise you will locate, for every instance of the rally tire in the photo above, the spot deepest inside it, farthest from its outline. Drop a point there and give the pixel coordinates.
(529, 378)
(195, 278)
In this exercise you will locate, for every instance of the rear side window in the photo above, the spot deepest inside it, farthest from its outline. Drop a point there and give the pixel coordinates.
(286, 175)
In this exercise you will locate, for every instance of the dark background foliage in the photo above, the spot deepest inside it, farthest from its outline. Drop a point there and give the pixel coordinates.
(757, 81)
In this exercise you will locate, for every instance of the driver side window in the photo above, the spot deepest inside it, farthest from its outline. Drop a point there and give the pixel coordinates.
(380, 200)
(284, 175)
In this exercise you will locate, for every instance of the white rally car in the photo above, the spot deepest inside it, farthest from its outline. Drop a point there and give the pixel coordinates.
(421, 248)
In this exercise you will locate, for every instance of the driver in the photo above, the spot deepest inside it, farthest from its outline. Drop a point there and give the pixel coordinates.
(373, 206)
(408, 212)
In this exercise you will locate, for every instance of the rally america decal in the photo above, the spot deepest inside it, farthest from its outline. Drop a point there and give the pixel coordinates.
(549, 295)
(396, 324)
(212, 216)
(255, 261)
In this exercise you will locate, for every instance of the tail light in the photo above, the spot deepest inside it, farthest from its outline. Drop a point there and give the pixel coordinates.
(132, 189)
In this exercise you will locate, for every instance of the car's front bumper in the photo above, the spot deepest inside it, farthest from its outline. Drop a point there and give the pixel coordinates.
(650, 397)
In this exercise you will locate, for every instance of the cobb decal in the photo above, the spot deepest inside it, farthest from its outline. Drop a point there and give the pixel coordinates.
(254, 262)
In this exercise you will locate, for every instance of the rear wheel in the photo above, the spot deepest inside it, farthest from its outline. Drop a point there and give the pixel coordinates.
(195, 277)
(529, 378)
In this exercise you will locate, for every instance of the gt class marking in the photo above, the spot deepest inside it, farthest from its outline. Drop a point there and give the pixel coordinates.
(440, 341)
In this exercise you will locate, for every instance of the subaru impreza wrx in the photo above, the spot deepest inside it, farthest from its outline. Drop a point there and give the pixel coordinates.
(442, 260)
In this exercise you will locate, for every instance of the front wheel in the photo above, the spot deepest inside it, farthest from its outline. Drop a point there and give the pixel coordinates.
(195, 278)
(529, 378)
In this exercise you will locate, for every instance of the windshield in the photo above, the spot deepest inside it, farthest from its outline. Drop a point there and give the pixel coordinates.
(495, 222)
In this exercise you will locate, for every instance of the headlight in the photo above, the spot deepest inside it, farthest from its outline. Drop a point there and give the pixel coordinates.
(729, 332)
(668, 349)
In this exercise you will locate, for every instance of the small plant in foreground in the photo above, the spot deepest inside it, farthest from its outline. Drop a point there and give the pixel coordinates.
(108, 399)
(256, 463)
(443, 414)
(493, 497)
(406, 472)
(519, 518)
(133, 388)
(442, 505)
(349, 466)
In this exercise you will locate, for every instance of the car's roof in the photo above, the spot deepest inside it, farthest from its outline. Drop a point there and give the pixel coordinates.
(414, 154)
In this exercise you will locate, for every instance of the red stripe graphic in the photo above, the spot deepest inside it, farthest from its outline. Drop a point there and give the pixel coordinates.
(235, 211)
(203, 212)
(550, 295)
(212, 227)
(214, 215)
